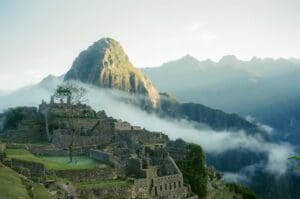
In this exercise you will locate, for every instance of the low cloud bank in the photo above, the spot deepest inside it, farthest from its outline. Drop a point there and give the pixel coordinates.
(236, 177)
(211, 141)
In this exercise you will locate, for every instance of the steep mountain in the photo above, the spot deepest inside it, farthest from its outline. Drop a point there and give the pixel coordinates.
(105, 64)
(266, 89)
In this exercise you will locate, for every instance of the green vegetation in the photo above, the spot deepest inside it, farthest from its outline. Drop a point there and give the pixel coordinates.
(296, 157)
(38, 191)
(56, 163)
(103, 184)
(244, 191)
(11, 185)
(194, 171)
(13, 117)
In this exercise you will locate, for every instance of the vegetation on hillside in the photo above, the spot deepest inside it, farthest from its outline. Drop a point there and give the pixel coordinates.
(13, 117)
(194, 171)
(242, 190)
(13, 187)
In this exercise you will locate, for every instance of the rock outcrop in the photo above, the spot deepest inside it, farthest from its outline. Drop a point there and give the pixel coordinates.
(105, 64)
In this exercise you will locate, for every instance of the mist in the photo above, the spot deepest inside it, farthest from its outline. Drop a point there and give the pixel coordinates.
(211, 141)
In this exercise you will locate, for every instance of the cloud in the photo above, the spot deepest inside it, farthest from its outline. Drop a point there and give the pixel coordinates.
(250, 118)
(210, 140)
(235, 177)
(264, 127)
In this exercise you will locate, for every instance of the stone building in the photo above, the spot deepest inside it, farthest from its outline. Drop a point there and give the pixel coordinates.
(122, 125)
(156, 175)
(163, 178)
(132, 151)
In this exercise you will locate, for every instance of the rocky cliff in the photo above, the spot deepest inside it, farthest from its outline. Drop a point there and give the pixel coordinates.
(105, 64)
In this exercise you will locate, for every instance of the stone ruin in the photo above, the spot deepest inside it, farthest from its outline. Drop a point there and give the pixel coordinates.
(155, 173)
(132, 151)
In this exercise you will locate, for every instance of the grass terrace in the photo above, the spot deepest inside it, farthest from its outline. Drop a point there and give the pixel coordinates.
(55, 162)
(13, 187)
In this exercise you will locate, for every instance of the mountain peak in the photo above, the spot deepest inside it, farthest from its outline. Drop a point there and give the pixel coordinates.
(105, 64)
(189, 58)
(228, 59)
(106, 42)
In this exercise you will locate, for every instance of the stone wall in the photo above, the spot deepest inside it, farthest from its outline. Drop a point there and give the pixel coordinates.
(102, 156)
(107, 192)
(121, 170)
(122, 125)
(26, 167)
(143, 136)
(169, 185)
(141, 188)
(104, 127)
(62, 140)
(78, 175)
(161, 187)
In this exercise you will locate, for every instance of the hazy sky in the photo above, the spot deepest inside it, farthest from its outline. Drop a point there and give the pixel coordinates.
(42, 37)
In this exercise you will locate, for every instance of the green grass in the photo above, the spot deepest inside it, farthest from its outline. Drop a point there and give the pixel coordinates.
(11, 185)
(21, 154)
(103, 184)
(40, 192)
(54, 162)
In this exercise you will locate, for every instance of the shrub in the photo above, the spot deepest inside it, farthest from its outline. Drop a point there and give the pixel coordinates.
(194, 171)
(13, 117)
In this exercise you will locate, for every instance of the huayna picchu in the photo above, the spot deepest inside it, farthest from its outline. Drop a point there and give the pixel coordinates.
(112, 158)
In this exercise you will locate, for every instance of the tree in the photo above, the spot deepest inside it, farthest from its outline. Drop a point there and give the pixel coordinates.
(74, 95)
(194, 171)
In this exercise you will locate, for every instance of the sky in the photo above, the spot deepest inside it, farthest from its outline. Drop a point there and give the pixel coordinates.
(38, 38)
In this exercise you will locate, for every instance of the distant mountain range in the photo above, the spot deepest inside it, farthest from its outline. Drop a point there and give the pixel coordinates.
(266, 89)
